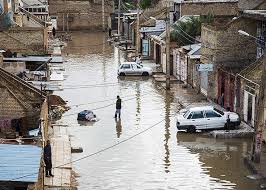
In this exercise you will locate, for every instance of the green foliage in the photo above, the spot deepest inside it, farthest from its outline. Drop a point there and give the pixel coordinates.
(184, 33)
(145, 4)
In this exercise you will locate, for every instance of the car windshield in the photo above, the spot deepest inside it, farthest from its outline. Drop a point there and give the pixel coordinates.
(219, 111)
(186, 113)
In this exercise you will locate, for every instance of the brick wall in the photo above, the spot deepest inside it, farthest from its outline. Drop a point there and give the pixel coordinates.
(19, 100)
(219, 9)
(224, 47)
(80, 15)
(24, 40)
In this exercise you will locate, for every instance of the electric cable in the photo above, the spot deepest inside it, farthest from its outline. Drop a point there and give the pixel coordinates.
(97, 152)
(101, 107)
(106, 100)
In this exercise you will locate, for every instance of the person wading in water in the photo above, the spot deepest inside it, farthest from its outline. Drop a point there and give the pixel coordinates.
(118, 108)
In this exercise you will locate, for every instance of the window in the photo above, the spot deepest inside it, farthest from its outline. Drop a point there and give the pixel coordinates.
(197, 115)
(219, 111)
(126, 66)
(210, 114)
(34, 10)
(190, 116)
(186, 113)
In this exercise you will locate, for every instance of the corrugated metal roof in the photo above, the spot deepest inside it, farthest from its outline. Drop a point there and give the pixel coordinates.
(19, 160)
(160, 26)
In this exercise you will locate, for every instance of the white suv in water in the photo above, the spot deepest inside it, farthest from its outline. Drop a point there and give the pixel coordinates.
(204, 118)
(132, 68)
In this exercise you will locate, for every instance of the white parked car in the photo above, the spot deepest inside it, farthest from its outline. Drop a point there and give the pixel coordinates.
(204, 118)
(132, 68)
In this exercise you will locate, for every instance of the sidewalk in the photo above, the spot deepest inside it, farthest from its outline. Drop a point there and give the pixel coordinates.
(61, 154)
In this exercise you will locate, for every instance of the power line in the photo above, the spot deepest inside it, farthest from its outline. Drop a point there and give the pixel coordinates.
(97, 152)
(186, 33)
(75, 105)
(101, 107)
(97, 84)
(79, 87)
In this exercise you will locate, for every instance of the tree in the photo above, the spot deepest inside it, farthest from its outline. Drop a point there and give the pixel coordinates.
(185, 32)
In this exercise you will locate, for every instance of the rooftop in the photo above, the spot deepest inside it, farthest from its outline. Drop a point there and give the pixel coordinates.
(256, 14)
(55, 59)
(160, 26)
(19, 163)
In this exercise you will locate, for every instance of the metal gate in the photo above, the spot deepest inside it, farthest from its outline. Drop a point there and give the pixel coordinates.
(204, 82)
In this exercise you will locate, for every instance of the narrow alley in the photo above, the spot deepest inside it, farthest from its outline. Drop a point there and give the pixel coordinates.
(160, 157)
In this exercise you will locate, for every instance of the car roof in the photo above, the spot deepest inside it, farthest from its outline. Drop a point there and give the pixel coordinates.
(128, 63)
(201, 108)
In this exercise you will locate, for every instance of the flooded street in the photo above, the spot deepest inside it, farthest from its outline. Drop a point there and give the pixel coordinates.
(159, 158)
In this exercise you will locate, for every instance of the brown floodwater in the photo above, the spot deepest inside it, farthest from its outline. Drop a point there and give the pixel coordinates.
(160, 158)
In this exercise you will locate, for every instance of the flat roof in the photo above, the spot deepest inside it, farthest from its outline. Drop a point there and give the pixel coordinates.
(55, 59)
(19, 161)
(257, 14)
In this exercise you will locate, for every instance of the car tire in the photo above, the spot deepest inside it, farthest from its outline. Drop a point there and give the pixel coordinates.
(145, 74)
(191, 129)
(122, 74)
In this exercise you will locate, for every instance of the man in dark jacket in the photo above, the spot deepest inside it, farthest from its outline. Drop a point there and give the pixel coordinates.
(47, 154)
(118, 107)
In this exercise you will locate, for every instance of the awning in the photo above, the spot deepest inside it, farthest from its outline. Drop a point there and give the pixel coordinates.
(19, 163)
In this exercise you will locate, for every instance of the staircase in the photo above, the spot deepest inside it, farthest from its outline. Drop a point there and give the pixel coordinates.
(33, 17)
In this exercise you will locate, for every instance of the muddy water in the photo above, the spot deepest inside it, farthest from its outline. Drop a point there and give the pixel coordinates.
(160, 158)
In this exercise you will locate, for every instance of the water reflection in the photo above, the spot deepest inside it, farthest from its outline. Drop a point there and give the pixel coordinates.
(118, 127)
(138, 101)
(168, 100)
(85, 123)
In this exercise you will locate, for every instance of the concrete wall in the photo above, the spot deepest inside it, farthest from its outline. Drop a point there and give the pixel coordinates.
(250, 4)
(80, 14)
(24, 40)
(224, 47)
(219, 9)
(14, 67)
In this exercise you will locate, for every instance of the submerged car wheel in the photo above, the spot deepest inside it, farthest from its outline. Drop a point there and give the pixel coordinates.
(145, 74)
(191, 129)
(122, 74)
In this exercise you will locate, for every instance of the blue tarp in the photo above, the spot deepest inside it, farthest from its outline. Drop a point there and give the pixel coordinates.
(19, 160)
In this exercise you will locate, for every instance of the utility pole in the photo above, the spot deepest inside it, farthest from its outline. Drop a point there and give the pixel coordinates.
(103, 15)
(138, 37)
(167, 43)
(260, 118)
(118, 26)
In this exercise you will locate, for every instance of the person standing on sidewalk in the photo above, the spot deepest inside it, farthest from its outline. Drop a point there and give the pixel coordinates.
(47, 155)
(138, 60)
(118, 107)
(53, 31)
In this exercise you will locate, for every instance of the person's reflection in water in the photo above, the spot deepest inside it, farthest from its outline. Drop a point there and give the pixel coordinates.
(118, 127)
